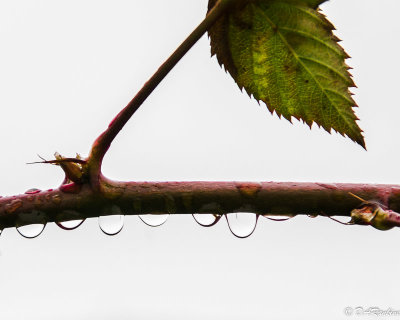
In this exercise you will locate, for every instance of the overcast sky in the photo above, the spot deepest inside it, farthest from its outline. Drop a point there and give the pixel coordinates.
(66, 69)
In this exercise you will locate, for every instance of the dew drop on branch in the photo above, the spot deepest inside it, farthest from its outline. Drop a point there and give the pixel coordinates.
(341, 219)
(242, 224)
(154, 220)
(112, 224)
(206, 219)
(31, 231)
(277, 218)
(33, 191)
(70, 225)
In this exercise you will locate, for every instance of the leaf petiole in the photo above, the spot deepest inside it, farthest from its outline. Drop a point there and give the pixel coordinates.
(103, 142)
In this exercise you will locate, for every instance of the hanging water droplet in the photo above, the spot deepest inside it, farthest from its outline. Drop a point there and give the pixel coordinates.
(242, 224)
(206, 220)
(31, 231)
(341, 219)
(74, 222)
(154, 220)
(277, 218)
(70, 225)
(111, 225)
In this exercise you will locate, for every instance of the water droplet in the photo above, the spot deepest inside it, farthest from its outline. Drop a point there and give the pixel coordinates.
(206, 220)
(69, 219)
(277, 218)
(31, 231)
(154, 220)
(242, 224)
(112, 224)
(32, 191)
(70, 225)
(341, 219)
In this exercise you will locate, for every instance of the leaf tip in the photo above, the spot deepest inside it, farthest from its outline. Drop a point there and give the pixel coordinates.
(361, 142)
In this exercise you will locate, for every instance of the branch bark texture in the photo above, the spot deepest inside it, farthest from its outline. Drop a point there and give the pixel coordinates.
(71, 202)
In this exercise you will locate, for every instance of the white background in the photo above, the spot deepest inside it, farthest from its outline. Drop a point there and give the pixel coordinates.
(67, 67)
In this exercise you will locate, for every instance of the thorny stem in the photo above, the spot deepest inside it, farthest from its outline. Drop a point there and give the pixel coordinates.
(133, 198)
(103, 142)
(81, 200)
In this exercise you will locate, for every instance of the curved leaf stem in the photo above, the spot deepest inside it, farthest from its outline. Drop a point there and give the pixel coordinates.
(103, 142)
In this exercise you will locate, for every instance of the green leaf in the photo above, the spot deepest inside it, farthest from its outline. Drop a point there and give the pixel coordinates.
(284, 53)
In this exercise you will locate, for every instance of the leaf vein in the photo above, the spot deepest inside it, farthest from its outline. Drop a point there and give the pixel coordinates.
(346, 79)
(312, 37)
(324, 90)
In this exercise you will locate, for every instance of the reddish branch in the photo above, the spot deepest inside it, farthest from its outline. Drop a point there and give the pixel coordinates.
(273, 198)
(103, 142)
(92, 195)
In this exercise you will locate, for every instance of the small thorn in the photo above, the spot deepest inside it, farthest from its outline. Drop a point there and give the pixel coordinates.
(357, 197)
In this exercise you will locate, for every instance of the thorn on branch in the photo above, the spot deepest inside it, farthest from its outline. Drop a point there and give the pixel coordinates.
(372, 213)
(72, 167)
(77, 160)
